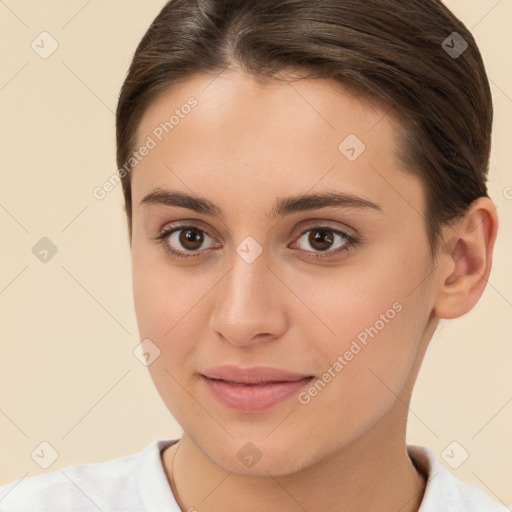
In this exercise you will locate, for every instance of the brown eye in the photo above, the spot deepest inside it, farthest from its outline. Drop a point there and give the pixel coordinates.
(320, 239)
(323, 239)
(185, 241)
(191, 238)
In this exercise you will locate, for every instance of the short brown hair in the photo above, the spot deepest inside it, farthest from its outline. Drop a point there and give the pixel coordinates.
(388, 50)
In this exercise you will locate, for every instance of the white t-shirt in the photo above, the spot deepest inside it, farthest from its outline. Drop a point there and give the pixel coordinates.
(138, 483)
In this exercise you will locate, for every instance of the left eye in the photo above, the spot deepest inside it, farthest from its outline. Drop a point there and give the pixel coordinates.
(322, 238)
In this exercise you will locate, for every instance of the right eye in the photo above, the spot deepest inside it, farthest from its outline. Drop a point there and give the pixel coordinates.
(189, 237)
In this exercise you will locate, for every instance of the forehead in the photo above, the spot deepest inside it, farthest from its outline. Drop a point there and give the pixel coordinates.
(232, 98)
(279, 137)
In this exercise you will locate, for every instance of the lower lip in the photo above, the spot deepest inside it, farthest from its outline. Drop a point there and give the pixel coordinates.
(253, 397)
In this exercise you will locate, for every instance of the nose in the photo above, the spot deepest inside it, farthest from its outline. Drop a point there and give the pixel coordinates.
(250, 304)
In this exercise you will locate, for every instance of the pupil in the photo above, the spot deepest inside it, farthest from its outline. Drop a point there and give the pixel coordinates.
(188, 237)
(321, 238)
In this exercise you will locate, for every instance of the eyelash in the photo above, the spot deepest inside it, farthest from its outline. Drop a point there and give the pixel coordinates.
(351, 242)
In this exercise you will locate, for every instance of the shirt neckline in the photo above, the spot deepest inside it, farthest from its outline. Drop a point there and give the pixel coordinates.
(156, 494)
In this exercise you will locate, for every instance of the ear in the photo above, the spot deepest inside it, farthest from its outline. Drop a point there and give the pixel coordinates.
(465, 259)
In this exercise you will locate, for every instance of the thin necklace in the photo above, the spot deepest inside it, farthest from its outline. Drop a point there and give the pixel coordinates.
(173, 485)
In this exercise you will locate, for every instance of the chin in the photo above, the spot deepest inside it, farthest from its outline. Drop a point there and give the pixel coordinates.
(273, 465)
(261, 458)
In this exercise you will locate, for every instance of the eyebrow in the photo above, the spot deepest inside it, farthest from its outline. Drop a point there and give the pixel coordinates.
(283, 206)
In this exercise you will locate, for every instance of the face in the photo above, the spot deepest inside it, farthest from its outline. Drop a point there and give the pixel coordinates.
(313, 310)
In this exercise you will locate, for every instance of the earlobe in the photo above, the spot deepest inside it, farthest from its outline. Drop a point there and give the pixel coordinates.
(466, 259)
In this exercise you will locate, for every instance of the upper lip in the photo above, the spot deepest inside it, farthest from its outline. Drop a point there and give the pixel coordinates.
(252, 374)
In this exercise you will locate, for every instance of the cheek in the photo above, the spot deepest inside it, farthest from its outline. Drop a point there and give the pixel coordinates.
(164, 314)
(158, 294)
(169, 304)
(375, 319)
(168, 317)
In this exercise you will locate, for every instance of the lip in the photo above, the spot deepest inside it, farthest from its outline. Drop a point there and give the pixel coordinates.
(253, 388)
(252, 374)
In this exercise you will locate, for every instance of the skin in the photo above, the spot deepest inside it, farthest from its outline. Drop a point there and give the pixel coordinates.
(244, 145)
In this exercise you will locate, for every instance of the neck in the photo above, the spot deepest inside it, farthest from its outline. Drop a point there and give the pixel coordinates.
(373, 472)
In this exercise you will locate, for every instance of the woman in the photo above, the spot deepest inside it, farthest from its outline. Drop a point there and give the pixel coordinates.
(305, 201)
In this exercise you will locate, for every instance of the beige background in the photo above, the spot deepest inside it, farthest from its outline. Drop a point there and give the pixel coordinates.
(68, 375)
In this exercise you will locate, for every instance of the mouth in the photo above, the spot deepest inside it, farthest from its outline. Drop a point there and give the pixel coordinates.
(253, 388)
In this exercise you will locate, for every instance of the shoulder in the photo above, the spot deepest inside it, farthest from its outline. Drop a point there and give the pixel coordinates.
(109, 485)
(444, 491)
